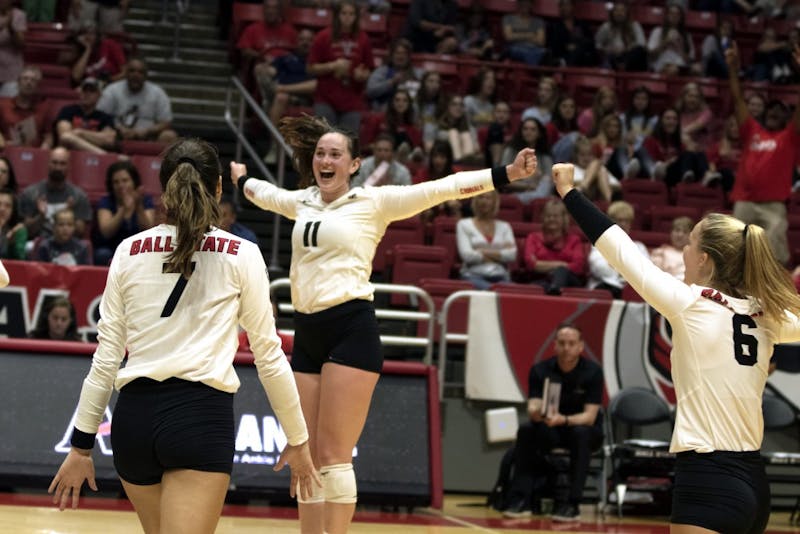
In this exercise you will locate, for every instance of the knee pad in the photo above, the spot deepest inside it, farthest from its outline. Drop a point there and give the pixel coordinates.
(317, 495)
(339, 483)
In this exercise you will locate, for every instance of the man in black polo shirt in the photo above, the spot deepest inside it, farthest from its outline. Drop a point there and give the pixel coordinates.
(573, 424)
(84, 127)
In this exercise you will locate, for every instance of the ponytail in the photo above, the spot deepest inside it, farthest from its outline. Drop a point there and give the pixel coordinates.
(190, 174)
(765, 278)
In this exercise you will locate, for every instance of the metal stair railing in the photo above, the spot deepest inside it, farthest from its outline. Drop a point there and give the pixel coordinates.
(283, 150)
(429, 316)
(445, 337)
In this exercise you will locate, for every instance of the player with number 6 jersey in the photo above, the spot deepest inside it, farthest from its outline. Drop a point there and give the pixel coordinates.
(174, 298)
(735, 303)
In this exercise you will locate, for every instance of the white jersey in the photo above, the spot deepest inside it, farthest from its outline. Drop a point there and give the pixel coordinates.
(721, 347)
(187, 330)
(333, 243)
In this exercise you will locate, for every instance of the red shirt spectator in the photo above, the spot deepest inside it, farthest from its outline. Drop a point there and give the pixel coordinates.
(25, 119)
(569, 249)
(345, 93)
(269, 41)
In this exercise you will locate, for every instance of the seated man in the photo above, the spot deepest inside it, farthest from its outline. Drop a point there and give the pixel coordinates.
(82, 126)
(381, 168)
(573, 424)
(141, 108)
(40, 201)
(25, 119)
(264, 40)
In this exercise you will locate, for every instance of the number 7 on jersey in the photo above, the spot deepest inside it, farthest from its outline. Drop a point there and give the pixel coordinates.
(177, 291)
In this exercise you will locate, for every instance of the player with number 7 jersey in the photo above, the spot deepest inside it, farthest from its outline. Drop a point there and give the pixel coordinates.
(735, 302)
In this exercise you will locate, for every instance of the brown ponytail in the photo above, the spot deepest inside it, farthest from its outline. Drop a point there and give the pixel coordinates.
(190, 174)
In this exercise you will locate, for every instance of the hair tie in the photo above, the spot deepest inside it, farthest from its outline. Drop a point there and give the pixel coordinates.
(744, 232)
(188, 160)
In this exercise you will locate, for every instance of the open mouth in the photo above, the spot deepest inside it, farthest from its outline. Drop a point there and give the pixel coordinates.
(326, 175)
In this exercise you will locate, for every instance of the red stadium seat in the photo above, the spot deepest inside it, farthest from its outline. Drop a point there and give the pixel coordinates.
(661, 217)
(439, 289)
(534, 208)
(444, 235)
(309, 17)
(375, 25)
(243, 14)
(30, 164)
(545, 8)
(149, 167)
(46, 36)
(523, 229)
(630, 295)
(88, 171)
(592, 12)
(704, 198)
(409, 230)
(644, 194)
(586, 293)
(704, 22)
(517, 289)
(583, 83)
(650, 239)
(131, 147)
(414, 262)
(648, 16)
(511, 208)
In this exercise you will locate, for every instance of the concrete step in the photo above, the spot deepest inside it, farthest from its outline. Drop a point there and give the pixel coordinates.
(154, 27)
(167, 38)
(187, 65)
(186, 50)
(195, 15)
(215, 93)
(200, 107)
(165, 76)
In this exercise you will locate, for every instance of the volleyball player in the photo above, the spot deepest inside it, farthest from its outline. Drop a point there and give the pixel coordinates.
(735, 303)
(337, 354)
(174, 297)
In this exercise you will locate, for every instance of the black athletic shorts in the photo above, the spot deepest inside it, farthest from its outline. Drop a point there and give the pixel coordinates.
(346, 334)
(174, 424)
(722, 491)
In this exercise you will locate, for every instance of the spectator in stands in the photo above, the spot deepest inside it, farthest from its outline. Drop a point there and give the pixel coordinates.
(94, 56)
(57, 321)
(525, 35)
(142, 109)
(381, 168)
(756, 106)
(39, 10)
(481, 96)
(106, 14)
(498, 133)
(440, 164)
(341, 59)
(665, 149)
(228, 222)
(591, 176)
(13, 25)
(123, 212)
(620, 40)
(604, 103)
(772, 61)
(573, 423)
(454, 127)
(555, 256)
(39, 201)
(714, 46)
(670, 45)
(769, 152)
(570, 40)
(265, 40)
(639, 120)
(723, 157)
(695, 116)
(13, 233)
(430, 99)
(63, 247)
(474, 39)
(430, 26)
(8, 180)
(24, 118)
(530, 134)
(82, 126)
(399, 122)
(669, 256)
(601, 274)
(486, 245)
(547, 95)
(611, 147)
(396, 73)
(284, 81)
(562, 130)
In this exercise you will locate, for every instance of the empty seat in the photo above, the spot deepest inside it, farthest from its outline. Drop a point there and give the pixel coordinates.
(511, 208)
(523, 289)
(375, 25)
(309, 17)
(439, 289)
(131, 147)
(88, 171)
(30, 164)
(586, 293)
(409, 230)
(704, 198)
(645, 192)
(661, 217)
(444, 235)
(414, 262)
(649, 238)
(149, 168)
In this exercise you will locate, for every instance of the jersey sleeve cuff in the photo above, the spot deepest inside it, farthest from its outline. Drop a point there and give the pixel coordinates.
(592, 221)
(500, 177)
(82, 440)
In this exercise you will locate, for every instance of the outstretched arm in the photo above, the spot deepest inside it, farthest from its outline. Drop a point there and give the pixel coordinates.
(739, 105)
(796, 56)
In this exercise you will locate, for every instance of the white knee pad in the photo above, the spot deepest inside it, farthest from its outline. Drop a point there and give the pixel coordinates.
(317, 495)
(339, 483)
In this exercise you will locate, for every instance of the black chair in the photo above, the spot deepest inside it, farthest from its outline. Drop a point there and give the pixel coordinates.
(632, 456)
(780, 416)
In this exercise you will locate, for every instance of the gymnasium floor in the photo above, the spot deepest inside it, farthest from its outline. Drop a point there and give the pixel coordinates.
(33, 514)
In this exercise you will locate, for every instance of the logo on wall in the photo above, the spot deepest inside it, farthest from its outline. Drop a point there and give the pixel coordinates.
(103, 434)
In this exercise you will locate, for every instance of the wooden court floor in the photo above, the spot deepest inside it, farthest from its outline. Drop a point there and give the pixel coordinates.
(33, 514)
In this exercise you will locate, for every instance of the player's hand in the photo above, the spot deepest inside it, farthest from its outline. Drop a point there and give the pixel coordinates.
(732, 58)
(524, 165)
(564, 178)
(237, 171)
(304, 474)
(77, 467)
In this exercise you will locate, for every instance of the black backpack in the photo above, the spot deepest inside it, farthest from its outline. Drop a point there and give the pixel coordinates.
(498, 496)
